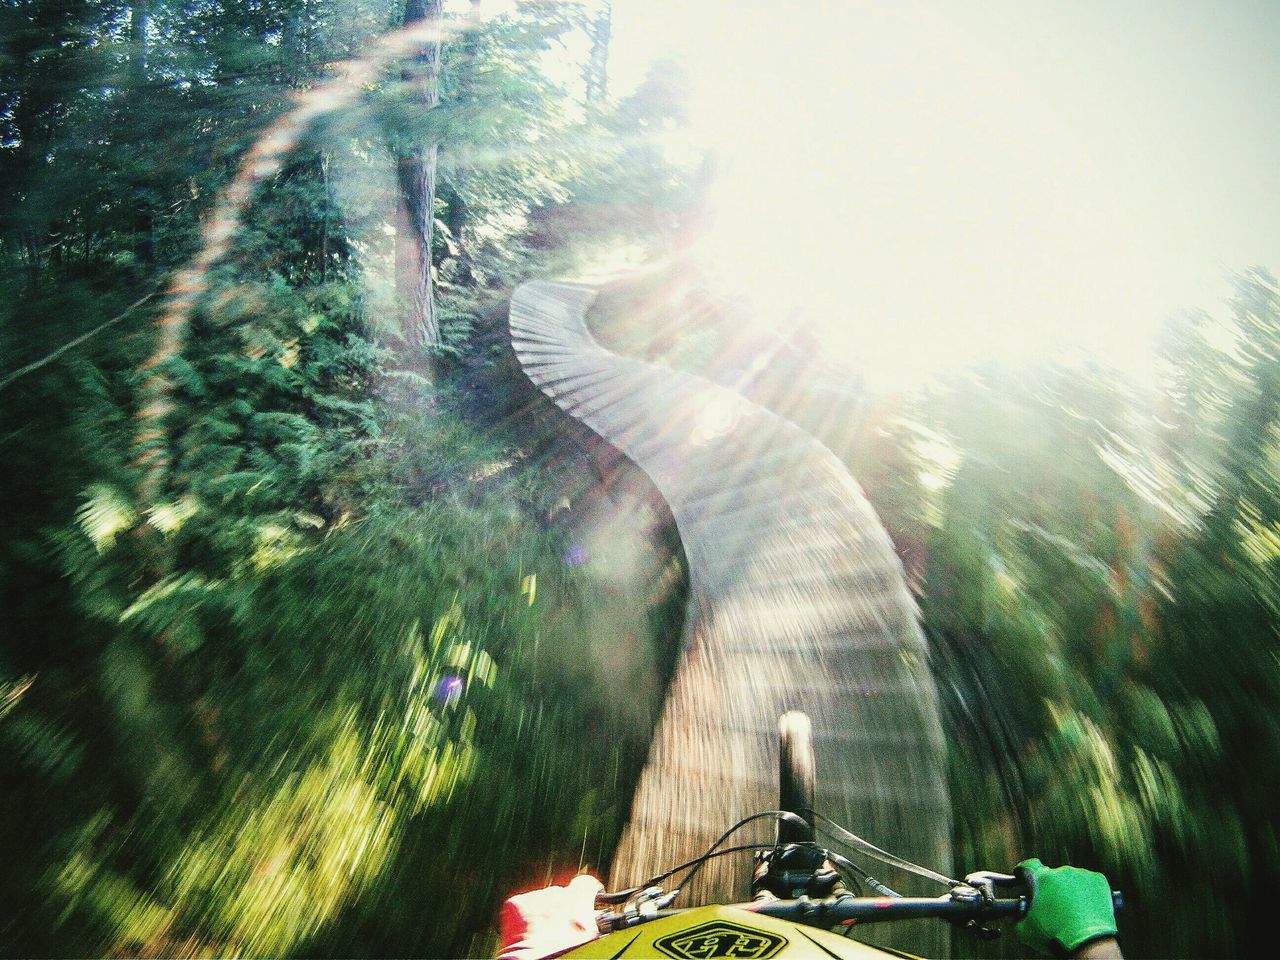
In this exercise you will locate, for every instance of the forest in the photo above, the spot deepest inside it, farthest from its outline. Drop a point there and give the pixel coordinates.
(326, 631)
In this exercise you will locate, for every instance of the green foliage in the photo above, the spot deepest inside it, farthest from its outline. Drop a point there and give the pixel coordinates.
(262, 709)
(279, 708)
(1100, 595)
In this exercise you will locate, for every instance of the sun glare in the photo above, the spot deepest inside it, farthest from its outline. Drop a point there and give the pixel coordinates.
(927, 187)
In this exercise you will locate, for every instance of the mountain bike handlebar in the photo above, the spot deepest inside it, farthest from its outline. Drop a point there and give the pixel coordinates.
(839, 910)
(797, 867)
(958, 907)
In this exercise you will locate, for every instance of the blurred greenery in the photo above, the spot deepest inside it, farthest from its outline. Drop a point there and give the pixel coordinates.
(364, 665)
(314, 695)
(1096, 579)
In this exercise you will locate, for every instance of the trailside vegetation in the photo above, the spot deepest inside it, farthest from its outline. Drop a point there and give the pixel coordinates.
(305, 658)
(1096, 569)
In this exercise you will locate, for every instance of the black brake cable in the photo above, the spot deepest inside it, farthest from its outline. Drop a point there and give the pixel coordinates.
(621, 896)
(773, 814)
(871, 850)
(837, 832)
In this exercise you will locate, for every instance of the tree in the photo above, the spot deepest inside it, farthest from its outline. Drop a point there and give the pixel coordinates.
(596, 73)
(416, 167)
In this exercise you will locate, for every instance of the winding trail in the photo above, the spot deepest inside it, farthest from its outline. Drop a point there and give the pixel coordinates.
(797, 602)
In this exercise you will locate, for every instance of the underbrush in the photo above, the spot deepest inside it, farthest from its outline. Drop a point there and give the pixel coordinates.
(334, 712)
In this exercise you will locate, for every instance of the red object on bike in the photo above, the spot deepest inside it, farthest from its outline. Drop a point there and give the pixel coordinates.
(548, 921)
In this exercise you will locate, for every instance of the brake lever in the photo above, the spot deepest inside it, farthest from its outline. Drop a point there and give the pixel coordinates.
(644, 907)
(981, 886)
(617, 896)
(986, 881)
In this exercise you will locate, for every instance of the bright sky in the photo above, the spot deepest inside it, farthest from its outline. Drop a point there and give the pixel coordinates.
(942, 181)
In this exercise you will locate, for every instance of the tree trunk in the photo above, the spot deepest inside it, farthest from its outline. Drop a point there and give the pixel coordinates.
(417, 174)
(136, 78)
(457, 214)
(597, 69)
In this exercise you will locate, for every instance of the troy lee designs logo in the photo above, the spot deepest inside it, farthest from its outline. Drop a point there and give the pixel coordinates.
(720, 938)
